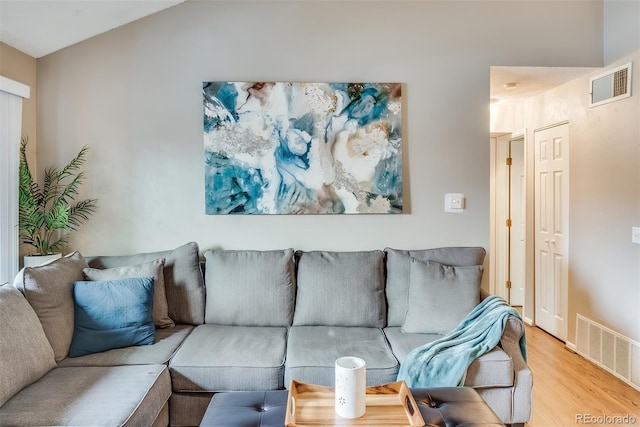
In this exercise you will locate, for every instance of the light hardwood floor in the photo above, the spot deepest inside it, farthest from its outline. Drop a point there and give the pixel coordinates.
(565, 386)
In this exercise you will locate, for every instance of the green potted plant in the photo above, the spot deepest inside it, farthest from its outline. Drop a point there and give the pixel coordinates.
(48, 212)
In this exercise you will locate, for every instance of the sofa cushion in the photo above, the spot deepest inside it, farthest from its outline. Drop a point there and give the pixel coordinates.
(313, 350)
(166, 344)
(49, 290)
(492, 369)
(340, 289)
(183, 281)
(250, 288)
(402, 343)
(26, 352)
(117, 396)
(440, 296)
(112, 314)
(153, 269)
(398, 266)
(227, 358)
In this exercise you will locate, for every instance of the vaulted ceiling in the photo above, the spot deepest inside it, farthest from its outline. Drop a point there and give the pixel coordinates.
(41, 27)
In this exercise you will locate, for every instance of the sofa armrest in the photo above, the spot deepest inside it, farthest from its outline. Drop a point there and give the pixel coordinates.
(523, 380)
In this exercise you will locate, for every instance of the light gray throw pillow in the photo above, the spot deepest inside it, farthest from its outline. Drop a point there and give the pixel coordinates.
(25, 352)
(440, 296)
(250, 288)
(153, 269)
(398, 264)
(340, 289)
(49, 290)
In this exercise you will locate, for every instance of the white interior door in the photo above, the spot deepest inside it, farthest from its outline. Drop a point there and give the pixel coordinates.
(551, 229)
(517, 201)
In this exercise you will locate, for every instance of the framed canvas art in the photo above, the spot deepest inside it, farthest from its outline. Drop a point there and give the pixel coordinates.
(302, 148)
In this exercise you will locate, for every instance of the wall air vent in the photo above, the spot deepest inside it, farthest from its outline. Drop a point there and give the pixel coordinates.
(614, 352)
(610, 86)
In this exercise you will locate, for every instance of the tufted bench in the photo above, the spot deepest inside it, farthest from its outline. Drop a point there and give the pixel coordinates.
(446, 407)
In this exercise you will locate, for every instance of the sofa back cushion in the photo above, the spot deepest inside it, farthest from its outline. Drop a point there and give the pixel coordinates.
(183, 281)
(49, 290)
(26, 353)
(250, 288)
(340, 289)
(398, 270)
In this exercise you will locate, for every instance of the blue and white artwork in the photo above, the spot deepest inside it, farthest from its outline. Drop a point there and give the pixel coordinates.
(302, 148)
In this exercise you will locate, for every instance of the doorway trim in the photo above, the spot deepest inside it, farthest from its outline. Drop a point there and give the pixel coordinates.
(497, 257)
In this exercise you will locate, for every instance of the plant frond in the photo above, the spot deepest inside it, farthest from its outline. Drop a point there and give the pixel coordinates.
(50, 185)
(74, 165)
(80, 212)
(57, 218)
(25, 173)
(68, 191)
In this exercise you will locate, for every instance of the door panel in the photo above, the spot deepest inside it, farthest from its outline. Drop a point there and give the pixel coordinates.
(552, 222)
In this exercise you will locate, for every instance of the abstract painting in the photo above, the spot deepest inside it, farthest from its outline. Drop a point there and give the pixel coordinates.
(302, 148)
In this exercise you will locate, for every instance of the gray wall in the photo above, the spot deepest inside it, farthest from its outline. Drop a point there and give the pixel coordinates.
(134, 96)
(621, 28)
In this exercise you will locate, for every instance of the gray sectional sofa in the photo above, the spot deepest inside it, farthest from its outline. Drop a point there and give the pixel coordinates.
(244, 320)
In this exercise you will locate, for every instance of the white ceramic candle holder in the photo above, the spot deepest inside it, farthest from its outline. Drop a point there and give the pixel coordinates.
(350, 390)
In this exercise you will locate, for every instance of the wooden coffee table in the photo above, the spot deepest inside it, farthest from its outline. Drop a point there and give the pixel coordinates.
(387, 405)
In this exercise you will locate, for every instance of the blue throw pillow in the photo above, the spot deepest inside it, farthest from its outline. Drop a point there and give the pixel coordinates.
(112, 314)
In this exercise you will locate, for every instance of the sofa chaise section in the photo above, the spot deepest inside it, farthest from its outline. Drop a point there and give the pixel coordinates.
(34, 391)
(83, 396)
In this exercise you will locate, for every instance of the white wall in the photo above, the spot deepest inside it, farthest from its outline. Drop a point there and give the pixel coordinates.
(604, 279)
(604, 194)
(134, 96)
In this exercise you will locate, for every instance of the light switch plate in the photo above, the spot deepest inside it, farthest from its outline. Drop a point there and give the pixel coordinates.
(635, 235)
(454, 202)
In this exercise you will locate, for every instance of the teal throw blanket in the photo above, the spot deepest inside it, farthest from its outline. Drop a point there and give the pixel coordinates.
(444, 362)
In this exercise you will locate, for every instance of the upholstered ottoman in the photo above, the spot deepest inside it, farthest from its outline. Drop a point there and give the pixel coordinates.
(446, 407)
(247, 409)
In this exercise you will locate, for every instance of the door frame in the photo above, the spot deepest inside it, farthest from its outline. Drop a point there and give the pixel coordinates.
(494, 287)
(515, 273)
(494, 261)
